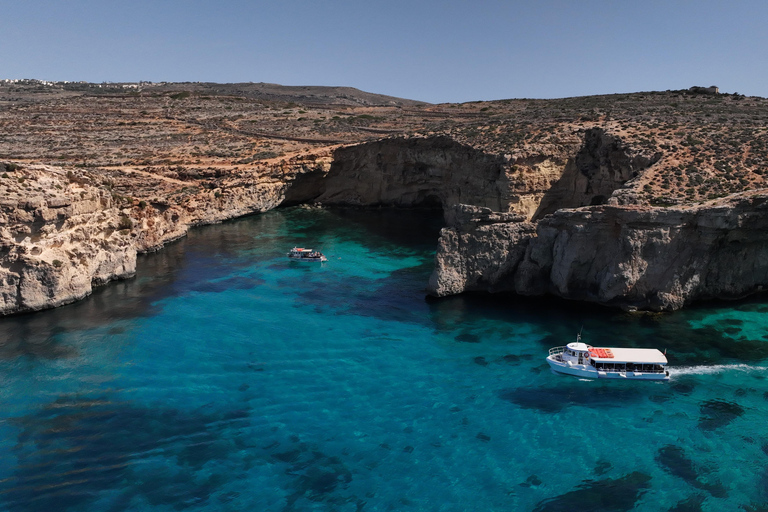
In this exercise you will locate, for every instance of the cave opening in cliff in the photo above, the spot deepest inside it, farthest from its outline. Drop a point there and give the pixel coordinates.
(429, 201)
(598, 200)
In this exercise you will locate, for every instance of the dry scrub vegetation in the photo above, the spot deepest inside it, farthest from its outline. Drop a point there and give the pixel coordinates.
(180, 137)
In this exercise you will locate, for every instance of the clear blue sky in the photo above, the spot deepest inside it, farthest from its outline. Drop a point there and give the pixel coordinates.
(436, 51)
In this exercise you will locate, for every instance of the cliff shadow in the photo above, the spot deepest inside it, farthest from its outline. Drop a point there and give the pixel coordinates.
(415, 172)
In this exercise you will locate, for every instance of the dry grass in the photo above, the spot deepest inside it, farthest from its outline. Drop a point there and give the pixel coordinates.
(710, 145)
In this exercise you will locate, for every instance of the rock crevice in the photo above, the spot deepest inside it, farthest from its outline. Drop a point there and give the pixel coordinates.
(603, 164)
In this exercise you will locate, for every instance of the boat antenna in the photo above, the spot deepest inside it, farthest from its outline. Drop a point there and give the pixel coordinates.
(578, 336)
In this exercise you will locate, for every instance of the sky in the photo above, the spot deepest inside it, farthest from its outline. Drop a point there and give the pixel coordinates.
(428, 50)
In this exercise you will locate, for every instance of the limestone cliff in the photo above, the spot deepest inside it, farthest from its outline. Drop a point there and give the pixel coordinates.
(626, 256)
(58, 239)
(558, 219)
(603, 164)
(438, 171)
(421, 171)
(65, 231)
(590, 240)
(557, 240)
(479, 250)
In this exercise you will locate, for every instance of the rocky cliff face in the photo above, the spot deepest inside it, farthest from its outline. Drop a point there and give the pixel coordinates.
(55, 254)
(589, 240)
(58, 239)
(631, 257)
(417, 172)
(438, 171)
(480, 250)
(560, 220)
(531, 224)
(64, 232)
(603, 164)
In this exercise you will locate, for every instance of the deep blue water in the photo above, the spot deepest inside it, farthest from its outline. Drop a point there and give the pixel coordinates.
(226, 377)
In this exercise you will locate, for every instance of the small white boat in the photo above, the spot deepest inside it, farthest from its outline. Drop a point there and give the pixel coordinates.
(300, 253)
(582, 360)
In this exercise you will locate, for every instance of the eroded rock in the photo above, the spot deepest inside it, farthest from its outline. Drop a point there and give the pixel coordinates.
(59, 239)
(64, 232)
(627, 256)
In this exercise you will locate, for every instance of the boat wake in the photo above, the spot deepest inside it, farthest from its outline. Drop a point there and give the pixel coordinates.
(675, 371)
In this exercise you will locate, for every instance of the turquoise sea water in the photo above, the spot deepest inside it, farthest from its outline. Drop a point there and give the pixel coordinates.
(226, 377)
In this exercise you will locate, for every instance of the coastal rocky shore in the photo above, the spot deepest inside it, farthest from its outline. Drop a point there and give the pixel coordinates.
(633, 201)
(62, 232)
(656, 259)
(578, 235)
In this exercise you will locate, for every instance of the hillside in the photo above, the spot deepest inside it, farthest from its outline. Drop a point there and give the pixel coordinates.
(176, 155)
(708, 145)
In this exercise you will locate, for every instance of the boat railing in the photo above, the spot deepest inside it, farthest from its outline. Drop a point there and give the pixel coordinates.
(620, 368)
(556, 350)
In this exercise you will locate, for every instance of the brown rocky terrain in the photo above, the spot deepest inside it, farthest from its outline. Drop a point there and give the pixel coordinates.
(643, 200)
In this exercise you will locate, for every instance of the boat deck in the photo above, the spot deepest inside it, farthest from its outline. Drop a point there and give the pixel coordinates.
(628, 355)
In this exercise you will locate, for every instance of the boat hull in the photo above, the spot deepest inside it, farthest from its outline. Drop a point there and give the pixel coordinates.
(588, 372)
(305, 254)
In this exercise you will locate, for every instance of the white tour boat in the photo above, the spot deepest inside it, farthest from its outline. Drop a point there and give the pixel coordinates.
(582, 360)
(299, 253)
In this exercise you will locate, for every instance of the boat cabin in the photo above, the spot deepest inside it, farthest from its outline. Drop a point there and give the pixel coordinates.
(645, 360)
(576, 352)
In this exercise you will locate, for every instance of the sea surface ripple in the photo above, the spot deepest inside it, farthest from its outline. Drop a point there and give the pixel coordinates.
(226, 377)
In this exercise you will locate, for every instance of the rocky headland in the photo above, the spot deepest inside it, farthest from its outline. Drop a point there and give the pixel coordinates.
(656, 259)
(648, 201)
